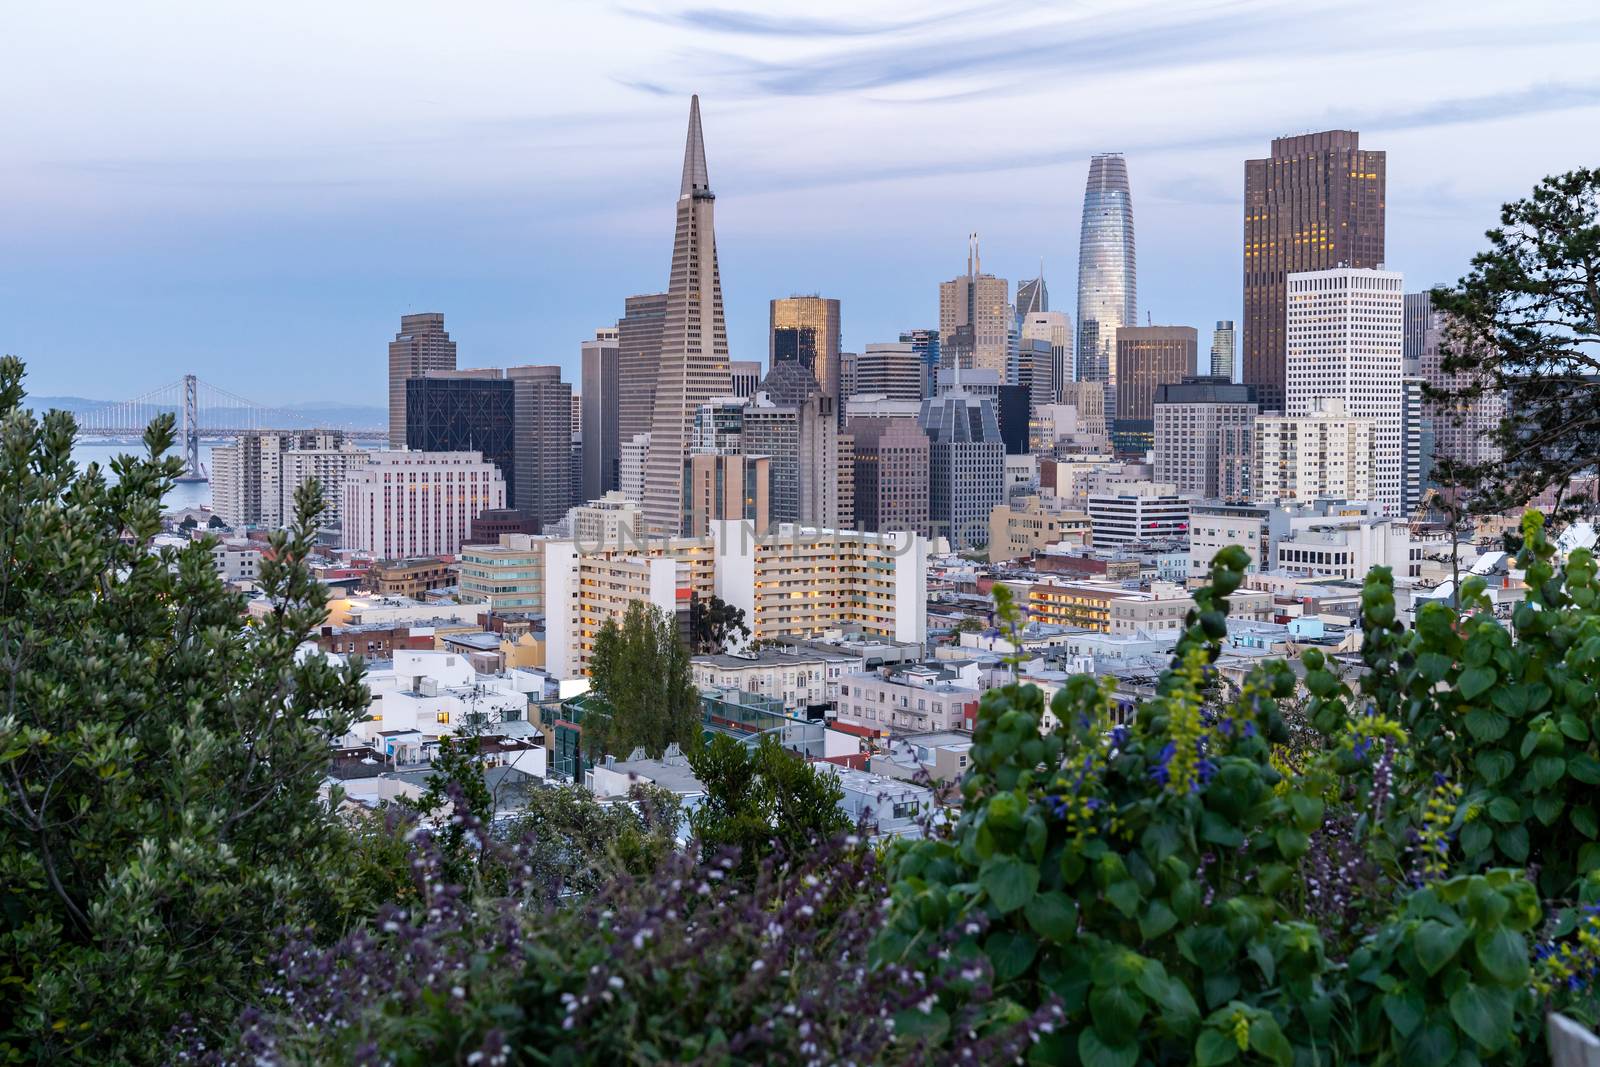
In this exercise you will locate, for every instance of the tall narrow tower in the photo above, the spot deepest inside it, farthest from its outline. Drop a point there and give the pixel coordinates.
(694, 338)
(1108, 296)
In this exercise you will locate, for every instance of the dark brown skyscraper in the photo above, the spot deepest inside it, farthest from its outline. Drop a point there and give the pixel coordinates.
(1147, 357)
(420, 346)
(1317, 203)
(638, 361)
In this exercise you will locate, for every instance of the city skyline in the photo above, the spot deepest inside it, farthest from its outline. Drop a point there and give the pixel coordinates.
(297, 212)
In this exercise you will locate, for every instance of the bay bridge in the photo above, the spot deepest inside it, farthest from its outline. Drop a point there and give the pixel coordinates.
(203, 410)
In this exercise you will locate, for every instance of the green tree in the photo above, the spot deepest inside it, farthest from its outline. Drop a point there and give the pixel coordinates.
(643, 694)
(1525, 322)
(576, 844)
(160, 760)
(457, 787)
(763, 799)
(714, 622)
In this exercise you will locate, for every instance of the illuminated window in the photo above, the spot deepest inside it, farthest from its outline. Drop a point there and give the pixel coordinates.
(443, 717)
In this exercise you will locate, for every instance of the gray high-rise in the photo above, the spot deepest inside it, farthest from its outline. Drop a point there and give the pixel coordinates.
(638, 362)
(1108, 295)
(542, 459)
(1223, 343)
(421, 346)
(602, 441)
(966, 464)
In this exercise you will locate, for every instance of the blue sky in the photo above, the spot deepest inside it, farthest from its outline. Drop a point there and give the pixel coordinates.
(256, 192)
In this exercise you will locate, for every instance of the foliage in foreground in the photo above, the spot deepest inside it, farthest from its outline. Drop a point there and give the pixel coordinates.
(159, 761)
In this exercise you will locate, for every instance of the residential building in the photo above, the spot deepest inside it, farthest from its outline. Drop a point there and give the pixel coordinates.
(1142, 511)
(966, 464)
(610, 519)
(1213, 527)
(406, 504)
(1203, 437)
(1350, 547)
(542, 446)
(1107, 272)
(1325, 454)
(1165, 609)
(1345, 341)
(464, 411)
(719, 426)
(1462, 430)
(1224, 342)
(915, 699)
(411, 577)
(1148, 357)
(421, 346)
(694, 337)
(891, 476)
(892, 370)
(980, 303)
(1315, 203)
(508, 576)
(602, 406)
(1022, 527)
(796, 676)
(255, 477)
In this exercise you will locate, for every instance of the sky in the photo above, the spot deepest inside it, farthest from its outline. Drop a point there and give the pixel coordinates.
(255, 193)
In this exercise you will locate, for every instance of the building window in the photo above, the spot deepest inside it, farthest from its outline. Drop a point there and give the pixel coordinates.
(443, 718)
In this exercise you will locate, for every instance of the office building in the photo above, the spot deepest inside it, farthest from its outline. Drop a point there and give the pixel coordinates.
(724, 485)
(694, 337)
(1108, 296)
(1462, 430)
(1223, 344)
(602, 407)
(1032, 298)
(1031, 524)
(804, 330)
(847, 373)
(966, 464)
(1033, 370)
(892, 370)
(638, 362)
(1055, 328)
(1326, 454)
(1213, 527)
(1345, 341)
(980, 303)
(1203, 437)
(891, 474)
(1147, 357)
(542, 449)
(1088, 399)
(1317, 202)
(925, 343)
(1138, 511)
(1414, 462)
(745, 374)
(631, 467)
(421, 346)
(409, 504)
(719, 427)
(507, 575)
(807, 450)
(464, 411)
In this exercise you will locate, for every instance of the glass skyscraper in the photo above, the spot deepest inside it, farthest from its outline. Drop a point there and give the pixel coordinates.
(1107, 278)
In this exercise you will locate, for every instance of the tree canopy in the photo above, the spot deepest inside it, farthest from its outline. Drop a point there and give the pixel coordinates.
(643, 695)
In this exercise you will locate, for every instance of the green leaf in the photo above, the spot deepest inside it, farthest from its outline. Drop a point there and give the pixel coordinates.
(1215, 1048)
(1504, 809)
(1404, 1010)
(1433, 1045)
(917, 1025)
(1053, 916)
(1116, 1011)
(1266, 1038)
(1124, 896)
(1433, 666)
(1546, 771)
(1486, 724)
(1513, 841)
(1475, 837)
(1156, 920)
(1169, 994)
(1010, 953)
(1094, 1052)
(1009, 881)
(1475, 681)
(1307, 811)
(1485, 1015)
(1436, 944)
(1495, 765)
(1583, 819)
(1219, 831)
(1503, 954)
(1585, 768)
(1574, 728)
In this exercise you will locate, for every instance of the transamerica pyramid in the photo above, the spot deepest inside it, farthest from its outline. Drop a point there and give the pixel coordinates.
(694, 338)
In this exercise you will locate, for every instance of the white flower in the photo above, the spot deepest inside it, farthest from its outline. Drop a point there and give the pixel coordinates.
(758, 965)
(614, 982)
(458, 992)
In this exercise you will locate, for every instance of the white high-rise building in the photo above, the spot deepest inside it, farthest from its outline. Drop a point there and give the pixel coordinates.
(1345, 341)
(255, 476)
(401, 505)
(631, 466)
(1322, 455)
(1056, 328)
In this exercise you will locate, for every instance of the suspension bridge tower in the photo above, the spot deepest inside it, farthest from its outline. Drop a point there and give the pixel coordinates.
(193, 471)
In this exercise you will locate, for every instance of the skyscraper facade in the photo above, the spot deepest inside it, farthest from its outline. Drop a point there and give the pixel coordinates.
(1223, 343)
(1202, 436)
(982, 302)
(422, 345)
(1108, 296)
(602, 440)
(694, 337)
(805, 330)
(966, 464)
(464, 411)
(1462, 430)
(1344, 341)
(400, 505)
(1056, 328)
(925, 343)
(745, 374)
(892, 369)
(1147, 357)
(1317, 202)
(891, 474)
(638, 362)
(542, 450)
(1032, 297)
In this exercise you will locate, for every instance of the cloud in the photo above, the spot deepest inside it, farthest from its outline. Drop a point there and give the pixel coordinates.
(757, 24)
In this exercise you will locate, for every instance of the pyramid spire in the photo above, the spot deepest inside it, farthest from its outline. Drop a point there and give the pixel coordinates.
(695, 180)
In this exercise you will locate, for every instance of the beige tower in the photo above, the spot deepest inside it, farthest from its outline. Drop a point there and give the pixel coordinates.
(694, 338)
